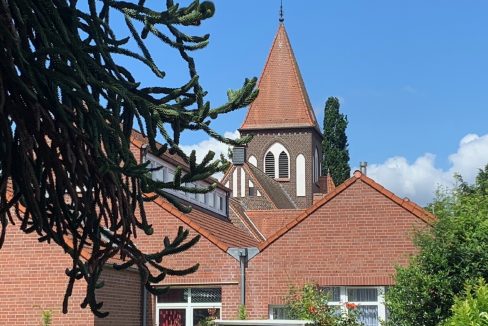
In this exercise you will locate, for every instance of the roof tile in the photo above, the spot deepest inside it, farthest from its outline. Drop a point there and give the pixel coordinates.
(282, 101)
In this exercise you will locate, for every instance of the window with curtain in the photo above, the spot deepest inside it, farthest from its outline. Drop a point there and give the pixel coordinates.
(283, 170)
(369, 301)
(188, 306)
(269, 165)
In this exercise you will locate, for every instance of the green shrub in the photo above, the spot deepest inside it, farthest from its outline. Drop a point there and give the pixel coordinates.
(242, 312)
(472, 309)
(454, 252)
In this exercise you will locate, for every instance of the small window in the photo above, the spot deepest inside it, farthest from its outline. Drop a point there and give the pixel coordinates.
(269, 165)
(283, 165)
(220, 203)
(252, 191)
(278, 312)
(210, 199)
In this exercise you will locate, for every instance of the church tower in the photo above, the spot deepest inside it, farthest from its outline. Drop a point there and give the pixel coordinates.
(286, 142)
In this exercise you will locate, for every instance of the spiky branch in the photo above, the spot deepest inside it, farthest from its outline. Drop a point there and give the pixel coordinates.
(67, 109)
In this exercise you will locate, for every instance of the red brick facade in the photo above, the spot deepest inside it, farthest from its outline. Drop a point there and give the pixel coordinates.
(352, 235)
(354, 239)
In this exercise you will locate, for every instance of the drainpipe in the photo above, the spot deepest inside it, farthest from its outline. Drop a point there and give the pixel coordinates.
(144, 304)
(243, 255)
(243, 265)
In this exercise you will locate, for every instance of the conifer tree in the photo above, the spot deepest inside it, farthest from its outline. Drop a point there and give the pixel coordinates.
(334, 146)
(67, 109)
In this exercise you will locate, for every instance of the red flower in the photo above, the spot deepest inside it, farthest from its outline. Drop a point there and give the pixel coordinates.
(351, 306)
(312, 310)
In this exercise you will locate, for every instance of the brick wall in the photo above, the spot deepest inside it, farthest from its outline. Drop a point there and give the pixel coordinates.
(355, 239)
(217, 268)
(32, 279)
(296, 142)
(121, 296)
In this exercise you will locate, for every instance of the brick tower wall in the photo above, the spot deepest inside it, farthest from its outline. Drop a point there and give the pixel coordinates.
(296, 141)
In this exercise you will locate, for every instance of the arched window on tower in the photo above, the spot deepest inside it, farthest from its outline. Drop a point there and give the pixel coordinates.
(269, 165)
(283, 166)
(277, 162)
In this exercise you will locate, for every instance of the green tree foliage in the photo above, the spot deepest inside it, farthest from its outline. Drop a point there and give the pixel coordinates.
(454, 252)
(334, 146)
(67, 109)
(472, 308)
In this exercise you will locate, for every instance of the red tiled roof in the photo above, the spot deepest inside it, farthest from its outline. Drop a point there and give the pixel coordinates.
(282, 101)
(413, 208)
(271, 188)
(239, 218)
(270, 221)
(221, 233)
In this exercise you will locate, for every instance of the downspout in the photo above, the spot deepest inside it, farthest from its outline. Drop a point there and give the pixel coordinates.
(143, 304)
(243, 255)
(243, 265)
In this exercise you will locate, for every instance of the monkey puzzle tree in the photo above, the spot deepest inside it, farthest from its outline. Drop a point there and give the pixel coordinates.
(67, 109)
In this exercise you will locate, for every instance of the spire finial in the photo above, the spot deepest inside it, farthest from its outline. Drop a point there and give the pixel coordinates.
(281, 12)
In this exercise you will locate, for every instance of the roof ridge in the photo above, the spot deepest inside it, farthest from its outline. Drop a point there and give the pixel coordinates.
(263, 188)
(273, 181)
(248, 223)
(413, 208)
(210, 236)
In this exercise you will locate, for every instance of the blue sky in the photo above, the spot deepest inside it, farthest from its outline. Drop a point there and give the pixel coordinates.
(412, 77)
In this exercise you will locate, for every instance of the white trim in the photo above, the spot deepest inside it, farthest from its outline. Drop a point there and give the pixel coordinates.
(380, 301)
(276, 150)
(234, 183)
(188, 307)
(169, 172)
(252, 160)
(300, 176)
(243, 183)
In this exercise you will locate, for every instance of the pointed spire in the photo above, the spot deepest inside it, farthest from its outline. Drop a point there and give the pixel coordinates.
(281, 13)
(283, 100)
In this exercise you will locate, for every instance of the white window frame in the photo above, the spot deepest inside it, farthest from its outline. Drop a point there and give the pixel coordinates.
(380, 302)
(276, 150)
(188, 306)
(274, 306)
(169, 172)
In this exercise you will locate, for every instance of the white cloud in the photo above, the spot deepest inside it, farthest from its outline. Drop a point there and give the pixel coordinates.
(420, 179)
(210, 144)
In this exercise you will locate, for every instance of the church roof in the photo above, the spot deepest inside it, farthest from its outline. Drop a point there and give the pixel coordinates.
(283, 100)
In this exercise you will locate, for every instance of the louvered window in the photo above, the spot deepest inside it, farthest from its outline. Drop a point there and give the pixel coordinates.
(269, 165)
(283, 165)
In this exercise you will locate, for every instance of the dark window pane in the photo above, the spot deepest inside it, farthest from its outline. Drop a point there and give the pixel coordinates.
(269, 165)
(361, 295)
(202, 316)
(172, 317)
(199, 295)
(174, 296)
(283, 165)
